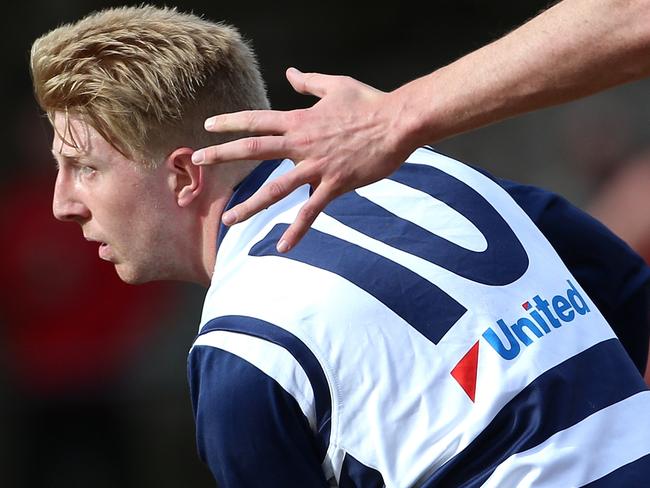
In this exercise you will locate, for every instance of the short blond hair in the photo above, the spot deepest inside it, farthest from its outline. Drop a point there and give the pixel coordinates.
(146, 77)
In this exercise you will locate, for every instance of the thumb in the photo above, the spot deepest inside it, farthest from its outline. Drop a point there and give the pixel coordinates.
(308, 83)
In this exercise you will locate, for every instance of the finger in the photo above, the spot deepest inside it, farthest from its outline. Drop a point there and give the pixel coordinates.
(305, 218)
(309, 83)
(263, 147)
(266, 196)
(263, 121)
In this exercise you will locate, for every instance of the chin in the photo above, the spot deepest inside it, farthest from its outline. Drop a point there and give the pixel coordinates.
(132, 276)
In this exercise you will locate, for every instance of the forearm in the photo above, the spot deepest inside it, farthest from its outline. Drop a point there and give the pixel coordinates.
(574, 49)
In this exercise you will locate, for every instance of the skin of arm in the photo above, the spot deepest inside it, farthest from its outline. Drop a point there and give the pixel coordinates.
(355, 135)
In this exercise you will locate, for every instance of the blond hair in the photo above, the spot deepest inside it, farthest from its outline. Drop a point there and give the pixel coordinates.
(145, 77)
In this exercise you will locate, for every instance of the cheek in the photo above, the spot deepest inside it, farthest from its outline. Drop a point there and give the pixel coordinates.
(150, 225)
(130, 206)
(139, 215)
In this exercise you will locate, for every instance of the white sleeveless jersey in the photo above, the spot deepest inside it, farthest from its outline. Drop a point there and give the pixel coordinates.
(426, 333)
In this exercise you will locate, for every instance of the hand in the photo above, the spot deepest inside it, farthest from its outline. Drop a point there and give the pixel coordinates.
(346, 140)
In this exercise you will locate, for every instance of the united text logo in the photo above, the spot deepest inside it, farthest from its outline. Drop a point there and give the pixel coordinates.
(544, 316)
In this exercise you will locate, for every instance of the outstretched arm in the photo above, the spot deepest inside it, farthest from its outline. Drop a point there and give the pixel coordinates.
(355, 135)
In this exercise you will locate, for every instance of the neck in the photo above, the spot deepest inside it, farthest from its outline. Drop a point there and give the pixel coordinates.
(209, 222)
(223, 178)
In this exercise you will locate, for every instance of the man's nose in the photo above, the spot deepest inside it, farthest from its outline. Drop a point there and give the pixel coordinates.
(66, 204)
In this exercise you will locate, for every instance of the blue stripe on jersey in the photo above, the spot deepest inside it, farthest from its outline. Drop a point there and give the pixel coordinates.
(246, 188)
(504, 260)
(357, 475)
(302, 354)
(423, 305)
(561, 397)
(632, 475)
(250, 431)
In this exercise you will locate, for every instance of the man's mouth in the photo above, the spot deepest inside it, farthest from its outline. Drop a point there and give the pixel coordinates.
(104, 249)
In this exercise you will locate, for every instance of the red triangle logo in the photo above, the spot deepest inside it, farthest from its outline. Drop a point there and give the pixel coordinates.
(465, 371)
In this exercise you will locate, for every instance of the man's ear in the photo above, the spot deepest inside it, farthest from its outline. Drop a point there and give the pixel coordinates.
(185, 177)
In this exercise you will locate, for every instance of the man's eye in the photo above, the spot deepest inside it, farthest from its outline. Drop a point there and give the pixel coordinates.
(86, 170)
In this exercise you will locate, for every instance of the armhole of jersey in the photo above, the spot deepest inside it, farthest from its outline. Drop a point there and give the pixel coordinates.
(313, 394)
(273, 360)
(248, 426)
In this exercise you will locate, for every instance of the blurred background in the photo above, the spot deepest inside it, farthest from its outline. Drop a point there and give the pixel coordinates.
(92, 380)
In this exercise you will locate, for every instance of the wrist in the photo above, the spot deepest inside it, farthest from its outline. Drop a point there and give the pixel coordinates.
(412, 116)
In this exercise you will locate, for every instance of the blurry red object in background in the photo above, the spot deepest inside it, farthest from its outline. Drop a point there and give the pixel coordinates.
(69, 321)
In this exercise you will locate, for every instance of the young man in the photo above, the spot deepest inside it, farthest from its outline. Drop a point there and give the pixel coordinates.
(424, 332)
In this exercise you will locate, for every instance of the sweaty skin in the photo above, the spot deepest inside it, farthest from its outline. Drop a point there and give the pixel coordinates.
(355, 135)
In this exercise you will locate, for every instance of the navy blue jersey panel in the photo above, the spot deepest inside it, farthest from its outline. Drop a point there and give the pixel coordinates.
(357, 475)
(585, 383)
(250, 432)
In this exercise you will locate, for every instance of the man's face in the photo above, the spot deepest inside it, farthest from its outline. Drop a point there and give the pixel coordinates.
(125, 208)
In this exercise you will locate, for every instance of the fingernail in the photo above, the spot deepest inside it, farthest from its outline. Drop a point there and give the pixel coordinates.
(198, 156)
(283, 246)
(209, 123)
(229, 218)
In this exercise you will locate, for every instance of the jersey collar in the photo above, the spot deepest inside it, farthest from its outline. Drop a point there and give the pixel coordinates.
(246, 188)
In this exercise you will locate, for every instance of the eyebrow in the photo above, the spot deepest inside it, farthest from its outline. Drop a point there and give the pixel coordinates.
(76, 157)
(58, 154)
